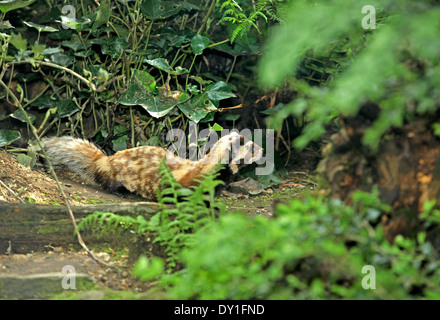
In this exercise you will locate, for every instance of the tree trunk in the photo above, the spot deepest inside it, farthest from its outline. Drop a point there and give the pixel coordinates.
(406, 170)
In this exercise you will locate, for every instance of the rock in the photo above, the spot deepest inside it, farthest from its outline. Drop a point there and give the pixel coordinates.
(246, 186)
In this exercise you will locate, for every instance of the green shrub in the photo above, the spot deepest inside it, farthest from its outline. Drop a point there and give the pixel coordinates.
(312, 249)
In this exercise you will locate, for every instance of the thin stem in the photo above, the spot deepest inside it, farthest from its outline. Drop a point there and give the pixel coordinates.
(232, 68)
(218, 43)
(189, 72)
(205, 20)
(132, 127)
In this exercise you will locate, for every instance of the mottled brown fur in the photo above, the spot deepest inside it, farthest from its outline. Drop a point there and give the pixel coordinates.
(137, 169)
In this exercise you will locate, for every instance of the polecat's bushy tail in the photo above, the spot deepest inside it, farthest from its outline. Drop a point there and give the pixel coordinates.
(79, 156)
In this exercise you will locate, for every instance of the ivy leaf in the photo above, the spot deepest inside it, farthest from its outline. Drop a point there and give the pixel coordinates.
(103, 15)
(20, 116)
(197, 108)
(6, 25)
(274, 110)
(84, 54)
(66, 108)
(218, 91)
(9, 5)
(61, 59)
(232, 117)
(199, 43)
(161, 64)
(157, 9)
(139, 88)
(76, 45)
(27, 161)
(180, 70)
(40, 27)
(8, 136)
(200, 80)
(18, 42)
(44, 102)
(114, 47)
(49, 51)
(215, 127)
(158, 101)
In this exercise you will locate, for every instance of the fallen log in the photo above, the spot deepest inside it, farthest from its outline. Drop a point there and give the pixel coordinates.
(33, 227)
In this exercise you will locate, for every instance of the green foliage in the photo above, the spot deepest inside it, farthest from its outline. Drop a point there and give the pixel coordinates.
(183, 212)
(8, 5)
(234, 14)
(91, 60)
(395, 65)
(312, 249)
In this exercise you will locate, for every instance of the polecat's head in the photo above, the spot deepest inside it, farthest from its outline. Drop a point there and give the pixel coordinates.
(238, 151)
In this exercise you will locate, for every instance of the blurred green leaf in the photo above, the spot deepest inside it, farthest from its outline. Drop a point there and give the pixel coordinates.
(232, 117)
(8, 5)
(18, 42)
(76, 45)
(147, 269)
(6, 25)
(8, 136)
(215, 127)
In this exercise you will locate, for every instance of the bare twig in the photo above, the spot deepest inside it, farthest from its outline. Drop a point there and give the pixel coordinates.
(53, 65)
(11, 191)
(229, 108)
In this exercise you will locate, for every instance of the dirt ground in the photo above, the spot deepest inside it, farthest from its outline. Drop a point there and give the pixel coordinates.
(20, 184)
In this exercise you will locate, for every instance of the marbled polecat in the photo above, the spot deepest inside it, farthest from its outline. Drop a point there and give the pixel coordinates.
(137, 169)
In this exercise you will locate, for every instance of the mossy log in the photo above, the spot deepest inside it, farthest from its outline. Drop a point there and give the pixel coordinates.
(33, 227)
